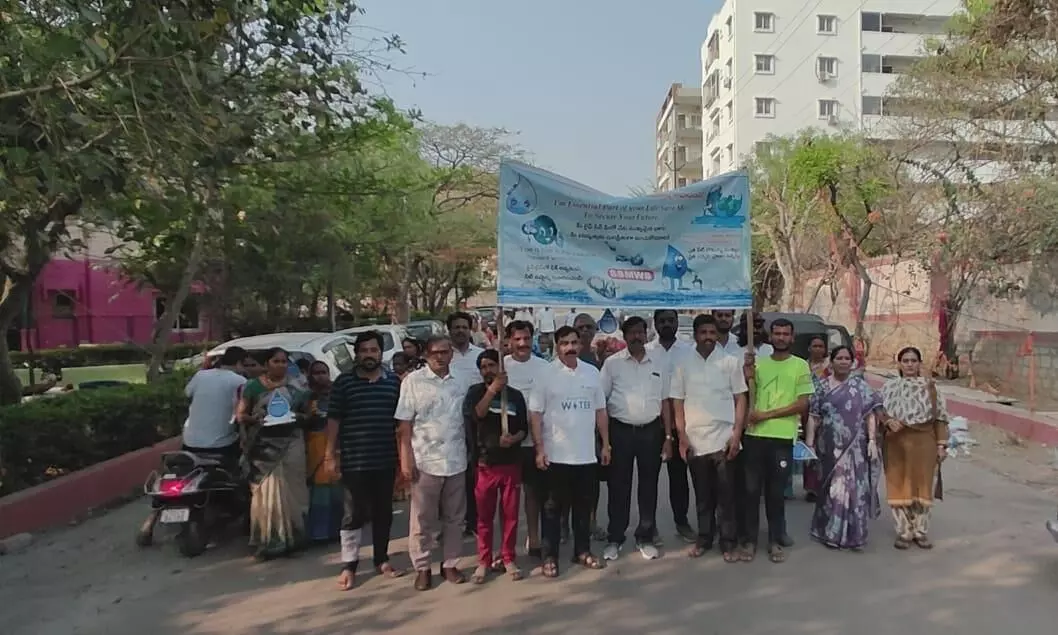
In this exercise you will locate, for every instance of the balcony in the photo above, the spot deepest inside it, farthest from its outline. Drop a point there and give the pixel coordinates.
(711, 89)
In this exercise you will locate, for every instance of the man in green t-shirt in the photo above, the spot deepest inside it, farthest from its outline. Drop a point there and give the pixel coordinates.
(782, 386)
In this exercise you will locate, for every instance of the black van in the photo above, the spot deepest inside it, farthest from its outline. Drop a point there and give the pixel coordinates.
(806, 326)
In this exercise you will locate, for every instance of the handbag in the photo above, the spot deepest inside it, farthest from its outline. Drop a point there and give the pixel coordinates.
(938, 484)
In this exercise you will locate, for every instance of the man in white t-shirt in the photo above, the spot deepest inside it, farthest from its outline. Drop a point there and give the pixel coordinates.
(464, 367)
(545, 324)
(525, 314)
(668, 348)
(726, 341)
(566, 410)
(709, 397)
(571, 317)
(525, 372)
(214, 393)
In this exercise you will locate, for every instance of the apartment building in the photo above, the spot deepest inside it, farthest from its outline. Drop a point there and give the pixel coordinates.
(774, 68)
(678, 159)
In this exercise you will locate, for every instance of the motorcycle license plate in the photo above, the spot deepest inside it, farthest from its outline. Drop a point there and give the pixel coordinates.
(175, 515)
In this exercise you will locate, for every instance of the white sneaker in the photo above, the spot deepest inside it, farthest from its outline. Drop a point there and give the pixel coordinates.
(611, 551)
(647, 550)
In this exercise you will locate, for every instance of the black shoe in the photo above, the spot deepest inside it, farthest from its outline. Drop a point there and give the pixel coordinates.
(810, 497)
(786, 541)
(686, 533)
(424, 580)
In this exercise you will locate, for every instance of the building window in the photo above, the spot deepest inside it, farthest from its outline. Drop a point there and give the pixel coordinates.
(681, 122)
(188, 320)
(716, 125)
(872, 105)
(872, 21)
(730, 153)
(765, 106)
(729, 112)
(681, 154)
(828, 108)
(681, 182)
(827, 67)
(827, 24)
(871, 63)
(764, 22)
(696, 121)
(764, 64)
(728, 27)
(63, 304)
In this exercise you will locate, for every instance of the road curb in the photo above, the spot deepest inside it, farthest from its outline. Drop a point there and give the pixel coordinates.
(73, 496)
(1023, 424)
(16, 543)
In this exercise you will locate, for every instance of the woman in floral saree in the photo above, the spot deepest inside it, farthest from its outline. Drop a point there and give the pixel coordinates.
(270, 409)
(842, 428)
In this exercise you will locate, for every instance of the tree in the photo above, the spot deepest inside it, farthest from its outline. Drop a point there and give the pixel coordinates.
(978, 150)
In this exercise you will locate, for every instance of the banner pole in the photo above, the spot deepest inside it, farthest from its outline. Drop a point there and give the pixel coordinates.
(500, 332)
(752, 380)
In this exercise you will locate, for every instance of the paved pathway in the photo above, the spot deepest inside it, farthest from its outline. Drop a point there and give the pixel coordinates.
(994, 570)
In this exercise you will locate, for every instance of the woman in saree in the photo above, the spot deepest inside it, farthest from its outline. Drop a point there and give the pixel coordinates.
(842, 425)
(819, 364)
(275, 451)
(916, 442)
(326, 494)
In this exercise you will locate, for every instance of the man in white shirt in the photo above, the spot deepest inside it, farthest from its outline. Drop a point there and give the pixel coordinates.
(636, 387)
(525, 314)
(465, 368)
(668, 349)
(214, 393)
(525, 372)
(709, 397)
(566, 410)
(571, 317)
(432, 442)
(545, 324)
(725, 321)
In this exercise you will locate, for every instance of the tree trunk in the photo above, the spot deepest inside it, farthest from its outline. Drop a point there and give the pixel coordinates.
(163, 328)
(403, 308)
(12, 303)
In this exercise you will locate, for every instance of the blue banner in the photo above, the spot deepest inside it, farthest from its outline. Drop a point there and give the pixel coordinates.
(561, 243)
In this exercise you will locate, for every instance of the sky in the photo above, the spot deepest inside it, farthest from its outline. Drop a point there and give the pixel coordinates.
(580, 81)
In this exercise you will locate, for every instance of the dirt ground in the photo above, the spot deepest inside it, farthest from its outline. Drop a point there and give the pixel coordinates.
(991, 546)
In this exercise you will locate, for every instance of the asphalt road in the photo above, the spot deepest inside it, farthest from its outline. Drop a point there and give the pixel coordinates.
(994, 570)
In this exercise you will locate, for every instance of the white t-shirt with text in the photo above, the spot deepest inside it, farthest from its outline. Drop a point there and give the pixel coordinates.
(524, 377)
(568, 398)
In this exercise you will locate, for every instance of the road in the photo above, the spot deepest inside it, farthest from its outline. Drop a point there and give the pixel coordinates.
(994, 570)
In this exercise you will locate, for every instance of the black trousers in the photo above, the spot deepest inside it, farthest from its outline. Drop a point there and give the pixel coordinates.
(738, 467)
(368, 498)
(679, 487)
(767, 464)
(567, 486)
(714, 496)
(471, 517)
(631, 447)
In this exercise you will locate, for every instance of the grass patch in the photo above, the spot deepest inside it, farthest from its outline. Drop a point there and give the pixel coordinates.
(133, 373)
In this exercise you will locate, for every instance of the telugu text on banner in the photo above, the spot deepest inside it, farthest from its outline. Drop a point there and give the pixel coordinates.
(561, 243)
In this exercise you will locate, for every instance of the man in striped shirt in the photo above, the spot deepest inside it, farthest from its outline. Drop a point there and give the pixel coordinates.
(361, 438)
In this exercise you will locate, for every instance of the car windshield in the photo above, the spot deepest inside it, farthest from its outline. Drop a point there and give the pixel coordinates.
(421, 331)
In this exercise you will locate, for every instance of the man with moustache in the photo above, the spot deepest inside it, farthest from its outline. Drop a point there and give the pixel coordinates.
(783, 386)
(361, 439)
(432, 440)
(668, 349)
(586, 328)
(566, 411)
(525, 372)
(709, 402)
(725, 321)
(636, 387)
(465, 369)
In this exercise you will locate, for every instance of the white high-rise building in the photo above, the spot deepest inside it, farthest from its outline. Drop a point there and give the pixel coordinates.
(678, 133)
(774, 68)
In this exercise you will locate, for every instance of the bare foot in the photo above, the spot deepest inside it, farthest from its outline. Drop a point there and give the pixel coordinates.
(347, 580)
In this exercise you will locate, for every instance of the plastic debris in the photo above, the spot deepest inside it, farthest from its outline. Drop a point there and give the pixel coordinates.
(959, 439)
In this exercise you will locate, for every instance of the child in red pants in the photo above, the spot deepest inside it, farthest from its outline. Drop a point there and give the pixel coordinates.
(495, 455)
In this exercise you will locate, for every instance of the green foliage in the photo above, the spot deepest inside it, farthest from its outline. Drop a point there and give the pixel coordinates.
(106, 355)
(51, 436)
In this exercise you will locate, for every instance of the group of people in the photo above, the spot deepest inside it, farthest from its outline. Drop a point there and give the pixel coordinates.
(472, 433)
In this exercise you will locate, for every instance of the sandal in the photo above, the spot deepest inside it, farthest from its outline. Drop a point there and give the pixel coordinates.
(497, 566)
(923, 543)
(901, 544)
(513, 572)
(479, 574)
(550, 568)
(731, 556)
(776, 554)
(589, 561)
(386, 570)
(347, 580)
(696, 551)
(747, 553)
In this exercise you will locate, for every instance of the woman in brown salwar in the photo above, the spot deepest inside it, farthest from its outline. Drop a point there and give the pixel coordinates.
(916, 441)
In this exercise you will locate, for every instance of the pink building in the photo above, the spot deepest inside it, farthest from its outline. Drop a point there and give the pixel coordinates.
(87, 301)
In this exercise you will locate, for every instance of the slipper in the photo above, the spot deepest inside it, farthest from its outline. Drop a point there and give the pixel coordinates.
(747, 553)
(386, 570)
(346, 581)
(776, 554)
(513, 572)
(550, 568)
(696, 551)
(731, 556)
(479, 574)
(588, 561)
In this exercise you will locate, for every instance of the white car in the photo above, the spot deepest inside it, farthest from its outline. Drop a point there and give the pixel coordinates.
(334, 348)
(392, 337)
